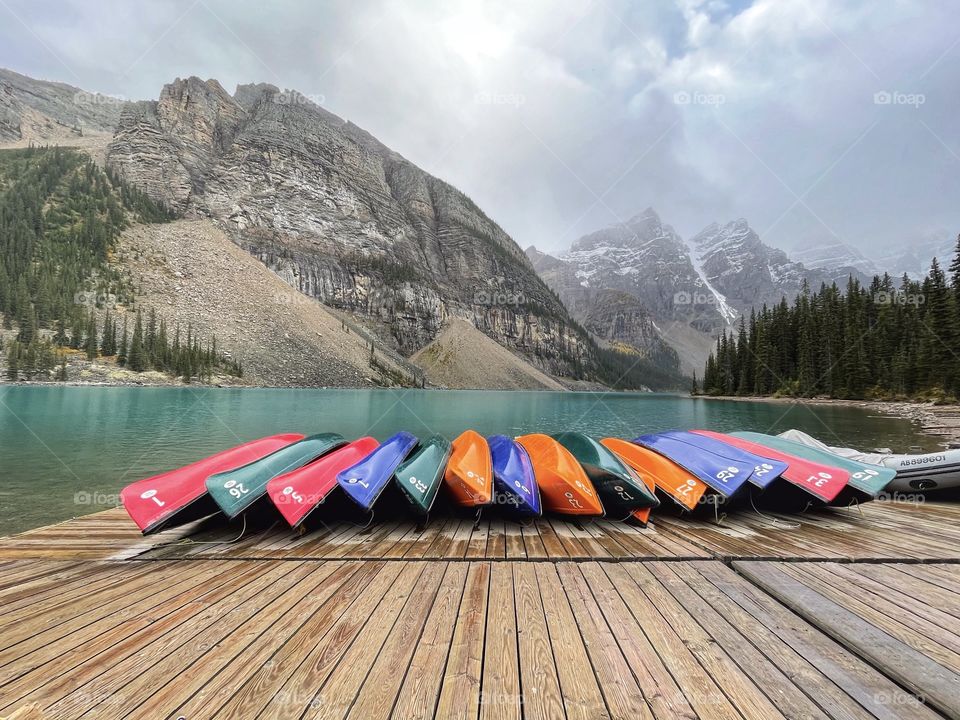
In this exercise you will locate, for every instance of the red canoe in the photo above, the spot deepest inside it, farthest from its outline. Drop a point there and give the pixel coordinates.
(176, 497)
(298, 493)
(823, 481)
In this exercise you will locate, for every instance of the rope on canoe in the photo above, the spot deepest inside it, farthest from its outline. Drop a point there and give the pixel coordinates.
(367, 524)
(716, 514)
(243, 530)
(775, 520)
(855, 503)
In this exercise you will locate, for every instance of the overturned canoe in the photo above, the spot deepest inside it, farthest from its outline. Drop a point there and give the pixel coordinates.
(618, 486)
(924, 471)
(364, 481)
(866, 481)
(724, 474)
(765, 470)
(299, 492)
(513, 476)
(179, 496)
(237, 490)
(673, 480)
(469, 472)
(564, 485)
(420, 476)
(824, 482)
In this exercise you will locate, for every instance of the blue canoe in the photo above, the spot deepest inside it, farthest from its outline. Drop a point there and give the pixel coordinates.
(513, 475)
(722, 473)
(365, 481)
(765, 470)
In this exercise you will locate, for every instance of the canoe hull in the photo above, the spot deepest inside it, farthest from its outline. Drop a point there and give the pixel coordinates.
(239, 490)
(513, 476)
(180, 496)
(298, 493)
(671, 479)
(420, 477)
(469, 472)
(620, 489)
(564, 486)
(365, 481)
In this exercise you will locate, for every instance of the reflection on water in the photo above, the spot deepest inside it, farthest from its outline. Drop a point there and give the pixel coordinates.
(66, 451)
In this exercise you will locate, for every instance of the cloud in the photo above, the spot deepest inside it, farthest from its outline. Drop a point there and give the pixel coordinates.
(558, 118)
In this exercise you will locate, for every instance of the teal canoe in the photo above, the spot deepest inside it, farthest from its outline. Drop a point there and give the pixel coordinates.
(866, 481)
(237, 490)
(421, 475)
(620, 489)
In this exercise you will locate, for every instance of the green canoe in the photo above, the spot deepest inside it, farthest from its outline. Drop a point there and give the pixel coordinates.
(420, 477)
(866, 481)
(236, 490)
(619, 488)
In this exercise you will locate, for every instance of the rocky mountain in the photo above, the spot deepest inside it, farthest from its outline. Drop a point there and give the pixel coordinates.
(620, 319)
(685, 293)
(835, 257)
(341, 217)
(641, 256)
(748, 273)
(913, 257)
(617, 280)
(39, 110)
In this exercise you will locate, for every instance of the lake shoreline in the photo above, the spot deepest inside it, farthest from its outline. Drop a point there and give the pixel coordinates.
(940, 421)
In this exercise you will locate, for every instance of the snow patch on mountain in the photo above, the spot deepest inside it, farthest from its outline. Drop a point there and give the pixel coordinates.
(728, 313)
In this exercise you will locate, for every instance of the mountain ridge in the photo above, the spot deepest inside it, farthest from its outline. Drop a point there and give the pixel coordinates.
(341, 217)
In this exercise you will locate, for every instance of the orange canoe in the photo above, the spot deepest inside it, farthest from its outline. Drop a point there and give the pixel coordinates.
(641, 515)
(666, 475)
(469, 473)
(564, 486)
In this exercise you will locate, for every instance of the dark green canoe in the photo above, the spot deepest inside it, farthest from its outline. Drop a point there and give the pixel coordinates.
(866, 481)
(236, 490)
(618, 486)
(420, 477)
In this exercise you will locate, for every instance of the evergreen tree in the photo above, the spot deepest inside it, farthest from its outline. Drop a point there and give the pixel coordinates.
(136, 355)
(90, 344)
(122, 351)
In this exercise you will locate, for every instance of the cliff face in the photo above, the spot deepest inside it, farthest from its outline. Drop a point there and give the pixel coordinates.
(340, 217)
(43, 111)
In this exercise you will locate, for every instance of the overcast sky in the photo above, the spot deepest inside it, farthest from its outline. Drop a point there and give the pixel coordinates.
(817, 120)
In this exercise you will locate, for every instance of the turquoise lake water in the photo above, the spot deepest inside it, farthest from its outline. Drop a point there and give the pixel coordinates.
(67, 451)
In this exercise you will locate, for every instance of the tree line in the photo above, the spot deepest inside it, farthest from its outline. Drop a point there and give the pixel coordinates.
(60, 217)
(888, 339)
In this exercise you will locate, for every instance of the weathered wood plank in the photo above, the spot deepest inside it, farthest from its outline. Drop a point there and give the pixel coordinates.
(904, 664)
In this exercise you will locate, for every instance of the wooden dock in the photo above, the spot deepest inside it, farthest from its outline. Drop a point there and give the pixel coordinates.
(848, 613)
